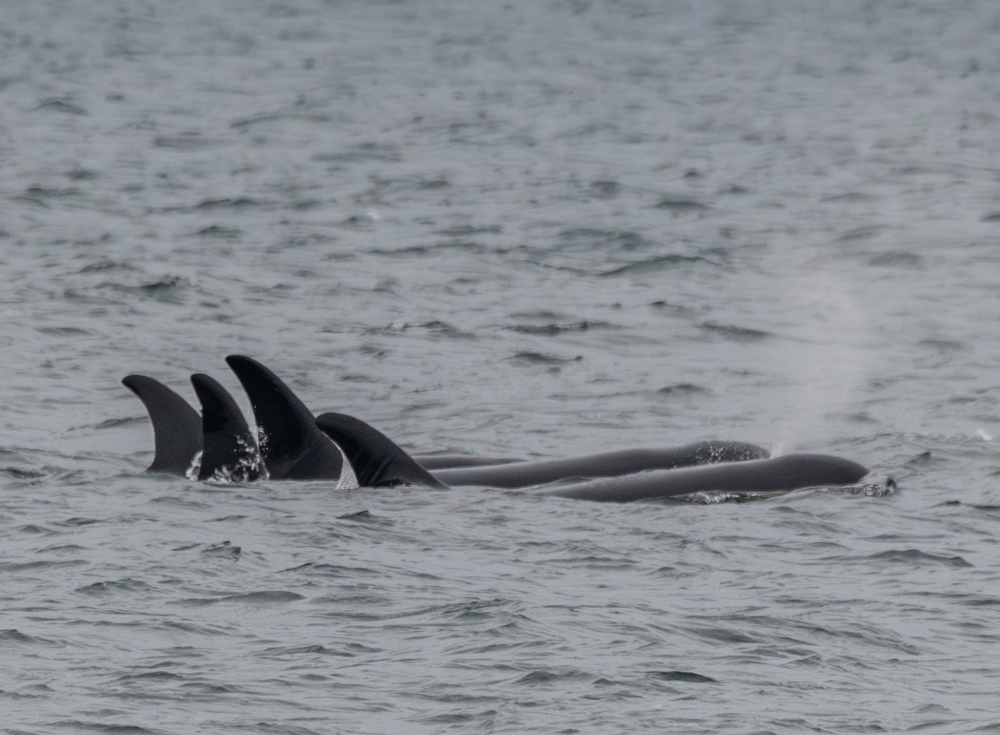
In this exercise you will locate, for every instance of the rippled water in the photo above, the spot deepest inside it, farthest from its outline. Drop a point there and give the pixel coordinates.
(538, 229)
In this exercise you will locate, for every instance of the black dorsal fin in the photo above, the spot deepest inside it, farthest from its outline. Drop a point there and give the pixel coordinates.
(376, 460)
(290, 444)
(176, 426)
(229, 451)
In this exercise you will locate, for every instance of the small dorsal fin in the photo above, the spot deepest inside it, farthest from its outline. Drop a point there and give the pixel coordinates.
(176, 426)
(290, 444)
(376, 460)
(229, 450)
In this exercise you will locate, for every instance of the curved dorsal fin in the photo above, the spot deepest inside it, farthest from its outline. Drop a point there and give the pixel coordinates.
(376, 460)
(176, 426)
(290, 444)
(229, 450)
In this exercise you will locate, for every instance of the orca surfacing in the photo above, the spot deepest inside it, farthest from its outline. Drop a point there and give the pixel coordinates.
(380, 462)
(293, 445)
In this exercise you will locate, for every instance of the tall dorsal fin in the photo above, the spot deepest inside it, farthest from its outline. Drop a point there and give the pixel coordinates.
(376, 460)
(290, 444)
(229, 451)
(176, 426)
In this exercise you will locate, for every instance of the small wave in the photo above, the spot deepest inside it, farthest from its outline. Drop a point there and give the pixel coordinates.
(225, 550)
(64, 331)
(683, 389)
(654, 264)
(734, 333)
(120, 585)
(897, 259)
(469, 230)
(149, 676)
(316, 648)
(917, 557)
(57, 105)
(537, 358)
(681, 204)
(264, 598)
(226, 203)
(23, 474)
(687, 676)
(541, 676)
(224, 233)
(851, 197)
(267, 597)
(186, 142)
(12, 635)
(551, 330)
(362, 153)
(128, 420)
(166, 289)
(333, 570)
(112, 729)
(590, 238)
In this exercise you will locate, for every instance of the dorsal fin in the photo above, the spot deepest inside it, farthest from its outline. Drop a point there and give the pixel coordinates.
(176, 426)
(290, 444)
(229, 451)
(376, 460)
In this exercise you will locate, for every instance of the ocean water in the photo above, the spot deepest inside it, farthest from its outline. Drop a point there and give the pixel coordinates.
(521, 228)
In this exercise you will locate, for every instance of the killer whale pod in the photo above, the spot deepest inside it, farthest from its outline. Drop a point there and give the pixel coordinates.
(378, 461)
(291, 447)
(289, 440)
(221, 434)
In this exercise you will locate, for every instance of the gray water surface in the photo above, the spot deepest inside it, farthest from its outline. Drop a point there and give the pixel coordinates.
(525, 228)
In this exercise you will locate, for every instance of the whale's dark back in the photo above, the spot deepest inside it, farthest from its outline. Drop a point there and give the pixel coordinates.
(790, 472)
(606, 464)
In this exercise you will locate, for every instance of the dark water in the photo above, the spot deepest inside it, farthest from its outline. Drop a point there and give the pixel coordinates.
(538, 229)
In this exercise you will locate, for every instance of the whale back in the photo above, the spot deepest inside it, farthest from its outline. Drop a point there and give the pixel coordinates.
(229, 451)
(781, 474)
(291, 446)
(377, 461)
(605, 464)
(433, 462)
(176, 426)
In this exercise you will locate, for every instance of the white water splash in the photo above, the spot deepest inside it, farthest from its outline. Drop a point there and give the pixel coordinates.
(195, 469)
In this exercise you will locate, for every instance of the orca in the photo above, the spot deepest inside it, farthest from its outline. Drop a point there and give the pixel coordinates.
(295, 446)
(176, 426)
(779, 474)
(226, 445)
(228, 449)
(377, 461)
(291, 446)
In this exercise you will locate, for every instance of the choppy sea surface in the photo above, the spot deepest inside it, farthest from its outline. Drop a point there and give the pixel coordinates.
(522, 228)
